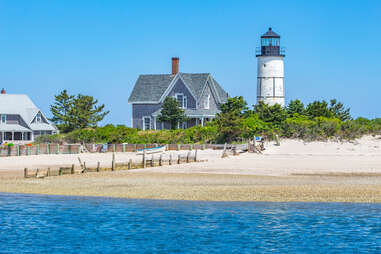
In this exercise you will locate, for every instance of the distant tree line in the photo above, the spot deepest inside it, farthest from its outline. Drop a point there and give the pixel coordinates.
(77, 117)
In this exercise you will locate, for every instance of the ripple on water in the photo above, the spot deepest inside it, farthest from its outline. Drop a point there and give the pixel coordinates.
(54, 224)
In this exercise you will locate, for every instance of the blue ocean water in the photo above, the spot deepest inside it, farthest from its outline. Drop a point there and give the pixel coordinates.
(55, 224)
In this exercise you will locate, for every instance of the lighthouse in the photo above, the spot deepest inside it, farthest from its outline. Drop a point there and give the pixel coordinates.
(270, 70)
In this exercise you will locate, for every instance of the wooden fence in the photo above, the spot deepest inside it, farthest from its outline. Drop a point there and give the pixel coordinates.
(147, 161)
(36, 149)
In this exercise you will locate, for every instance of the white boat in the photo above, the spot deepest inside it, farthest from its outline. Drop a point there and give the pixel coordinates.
(159, 149)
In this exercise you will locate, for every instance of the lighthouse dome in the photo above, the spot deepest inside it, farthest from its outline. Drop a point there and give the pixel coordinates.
(270, 34)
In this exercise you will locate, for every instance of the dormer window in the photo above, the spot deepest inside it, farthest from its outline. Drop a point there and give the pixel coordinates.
(38, 117)
(3, 119)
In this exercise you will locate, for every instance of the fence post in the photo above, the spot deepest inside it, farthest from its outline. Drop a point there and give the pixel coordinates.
(179, 159)
(113, 148)
(48, 148)
(48, 172)
(60, 172)
(134, 148)
(18, 150)
(113, 162)
(195, 155)
(152, 161)
(129, 163)
(58, 149)
(69, 149)
(25, 172)
(178, 147)
(188, 155)
(191, 147)
(79, 149)
(203, 147)
(160, 160)
(277, 140)
(224, 154)
(124, 148)
(98, 166)
(144, 158)
(38, 149)
(72, 169)
(37, 171)
(170, 159)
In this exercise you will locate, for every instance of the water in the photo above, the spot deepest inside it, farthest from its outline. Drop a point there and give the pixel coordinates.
(53, 224)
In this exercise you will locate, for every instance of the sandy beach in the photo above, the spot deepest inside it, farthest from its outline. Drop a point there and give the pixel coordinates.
(295, 171)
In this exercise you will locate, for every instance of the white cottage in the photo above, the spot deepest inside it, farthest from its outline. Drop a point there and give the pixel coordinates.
(20, 120)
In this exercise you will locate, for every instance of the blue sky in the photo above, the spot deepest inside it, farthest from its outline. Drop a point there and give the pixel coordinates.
(333, 48)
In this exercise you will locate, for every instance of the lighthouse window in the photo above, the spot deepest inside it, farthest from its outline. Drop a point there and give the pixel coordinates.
(265, 42)
(275, 42)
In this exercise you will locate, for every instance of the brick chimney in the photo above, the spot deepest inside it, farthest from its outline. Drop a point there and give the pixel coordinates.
(175, 65)
(2, 91)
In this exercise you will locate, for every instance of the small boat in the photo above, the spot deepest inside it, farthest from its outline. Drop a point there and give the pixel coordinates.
(159, 149)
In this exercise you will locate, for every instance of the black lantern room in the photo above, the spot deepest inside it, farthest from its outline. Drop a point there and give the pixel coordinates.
(270, 44)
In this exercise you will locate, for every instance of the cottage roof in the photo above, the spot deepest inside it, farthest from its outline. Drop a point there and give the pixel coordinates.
(21, 104)
(150, 88)
(18, 104)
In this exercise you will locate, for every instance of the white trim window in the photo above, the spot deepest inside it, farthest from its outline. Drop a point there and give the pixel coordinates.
(3, 119)
(146, 123)
(207, 102)
(38, 117)
(182, 100)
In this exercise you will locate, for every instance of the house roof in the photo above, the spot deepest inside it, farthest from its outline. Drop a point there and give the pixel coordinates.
(21, 104)
(18, 104)
(42, 126)
(14, 127)
(150, 88)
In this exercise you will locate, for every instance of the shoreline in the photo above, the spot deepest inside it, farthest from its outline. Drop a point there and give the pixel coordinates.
(293, 172)
(180, 200)
(205, 187)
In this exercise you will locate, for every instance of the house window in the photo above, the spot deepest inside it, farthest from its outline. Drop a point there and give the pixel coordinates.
(182, 100)
(26, 136)
(3, 119)
(207, 102)
(146, 123)
(38, 117)
(8, 136)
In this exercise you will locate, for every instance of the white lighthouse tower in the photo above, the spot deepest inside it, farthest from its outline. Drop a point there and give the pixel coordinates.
(270, 79)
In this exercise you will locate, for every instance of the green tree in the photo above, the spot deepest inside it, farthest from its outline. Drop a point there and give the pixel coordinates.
(171, 112)
(338, 111)
(318, 109)
(230, 120)
(85, 112)
(60, 110)
(76, 112)
(295, 107)
(274, 115)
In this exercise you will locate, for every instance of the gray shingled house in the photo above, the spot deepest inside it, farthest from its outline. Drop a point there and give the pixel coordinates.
(198, 94)
(20, 120)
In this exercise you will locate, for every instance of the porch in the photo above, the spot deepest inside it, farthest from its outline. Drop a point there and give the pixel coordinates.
(7, 136)
(196, 117)
(15, 134)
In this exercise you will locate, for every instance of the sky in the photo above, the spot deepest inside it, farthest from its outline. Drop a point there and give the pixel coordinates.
(99, 48)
